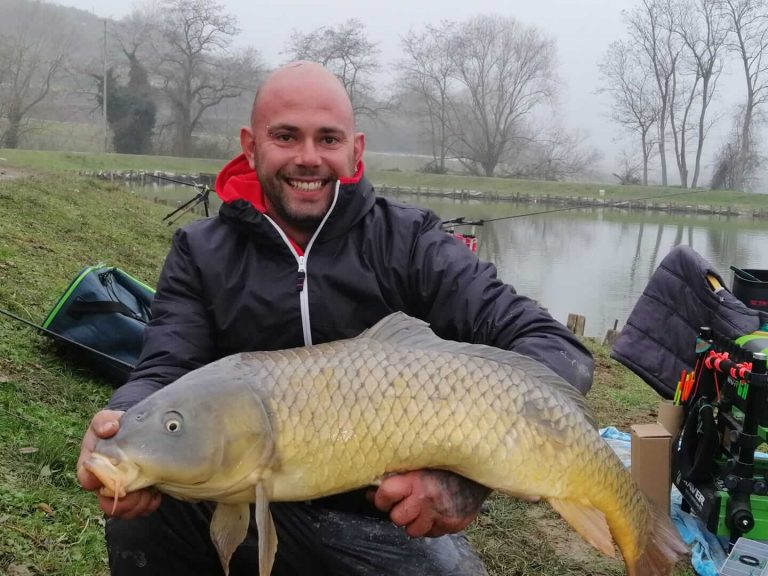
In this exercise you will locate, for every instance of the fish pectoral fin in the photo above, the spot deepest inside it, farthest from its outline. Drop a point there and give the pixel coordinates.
(229, 527)
(267, 533)
(588, 521)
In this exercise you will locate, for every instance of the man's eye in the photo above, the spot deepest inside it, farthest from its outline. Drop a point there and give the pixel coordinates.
(330, 140)
(284, 137)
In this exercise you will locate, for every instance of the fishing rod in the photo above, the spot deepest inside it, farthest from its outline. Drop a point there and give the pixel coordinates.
(574, 207)
(56, 336)
(202, 197)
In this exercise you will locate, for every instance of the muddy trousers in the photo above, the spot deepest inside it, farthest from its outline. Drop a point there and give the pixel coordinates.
(312, 541)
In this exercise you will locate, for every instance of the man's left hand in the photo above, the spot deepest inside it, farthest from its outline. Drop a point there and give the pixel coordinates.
(430, 502)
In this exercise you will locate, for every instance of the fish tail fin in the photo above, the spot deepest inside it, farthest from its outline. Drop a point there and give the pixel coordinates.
(662, 551)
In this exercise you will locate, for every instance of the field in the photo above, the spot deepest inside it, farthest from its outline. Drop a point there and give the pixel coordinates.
(52, 224)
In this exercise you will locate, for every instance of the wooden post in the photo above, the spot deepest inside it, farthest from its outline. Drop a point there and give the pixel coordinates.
(611, 335)
(576, 324)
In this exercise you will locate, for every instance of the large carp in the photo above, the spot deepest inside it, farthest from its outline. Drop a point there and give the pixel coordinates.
(304, 423)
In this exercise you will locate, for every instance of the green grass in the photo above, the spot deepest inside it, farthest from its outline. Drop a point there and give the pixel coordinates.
(506, 187)
(58, 161)
(51, 161)
(53, 225)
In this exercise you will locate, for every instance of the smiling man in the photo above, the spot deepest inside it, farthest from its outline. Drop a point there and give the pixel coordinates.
(303, 252)
(300, 144)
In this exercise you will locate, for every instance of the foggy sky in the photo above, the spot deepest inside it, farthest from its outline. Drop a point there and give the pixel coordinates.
(582, 30)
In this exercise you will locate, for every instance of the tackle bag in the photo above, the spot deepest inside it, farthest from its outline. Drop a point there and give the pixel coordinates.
(101, 316)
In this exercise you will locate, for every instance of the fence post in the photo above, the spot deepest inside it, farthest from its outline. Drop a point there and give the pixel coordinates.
(576, 324)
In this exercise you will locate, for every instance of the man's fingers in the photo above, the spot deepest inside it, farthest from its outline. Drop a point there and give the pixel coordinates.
(391, 491)
(139, 503)
(106, 423)
(87, 480)
(421, 526)
(405, 512)
(103, 425)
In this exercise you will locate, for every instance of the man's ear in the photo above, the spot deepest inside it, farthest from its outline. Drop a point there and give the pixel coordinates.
(359, 148)
(248, 145)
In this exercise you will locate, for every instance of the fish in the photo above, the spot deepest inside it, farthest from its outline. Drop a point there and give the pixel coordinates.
(304, 423)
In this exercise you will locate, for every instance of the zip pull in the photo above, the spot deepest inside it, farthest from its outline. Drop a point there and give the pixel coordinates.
(301, 276)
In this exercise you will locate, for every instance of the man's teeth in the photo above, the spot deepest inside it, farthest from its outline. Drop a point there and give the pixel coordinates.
(301, 185)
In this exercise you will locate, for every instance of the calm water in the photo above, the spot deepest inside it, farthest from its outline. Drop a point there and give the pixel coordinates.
(593, 262)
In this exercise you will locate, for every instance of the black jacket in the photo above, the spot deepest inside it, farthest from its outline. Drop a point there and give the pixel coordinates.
(233, 283)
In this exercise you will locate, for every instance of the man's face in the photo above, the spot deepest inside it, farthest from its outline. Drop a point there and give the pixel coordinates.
(300, 143)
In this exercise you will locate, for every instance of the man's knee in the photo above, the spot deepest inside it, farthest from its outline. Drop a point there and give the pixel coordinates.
(172, 540)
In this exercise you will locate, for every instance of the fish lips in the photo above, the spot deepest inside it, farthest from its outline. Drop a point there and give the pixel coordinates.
(118, 476)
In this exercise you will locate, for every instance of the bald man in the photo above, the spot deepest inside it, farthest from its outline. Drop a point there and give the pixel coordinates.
(303, 252)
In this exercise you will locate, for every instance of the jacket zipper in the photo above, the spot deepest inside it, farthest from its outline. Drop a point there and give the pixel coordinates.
(301, 277)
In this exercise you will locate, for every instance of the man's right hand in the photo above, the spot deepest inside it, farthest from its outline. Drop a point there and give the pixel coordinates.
(140, 503)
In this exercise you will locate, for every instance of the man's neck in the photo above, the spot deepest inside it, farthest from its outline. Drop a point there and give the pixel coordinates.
(299, 236)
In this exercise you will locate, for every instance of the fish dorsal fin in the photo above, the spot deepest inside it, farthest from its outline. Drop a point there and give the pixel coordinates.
(229, 527)
(407, 332)
(588, 521)
(266, 528)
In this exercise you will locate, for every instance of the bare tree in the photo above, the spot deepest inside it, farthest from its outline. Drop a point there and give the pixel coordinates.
(554, 154)
(198, 70)
(634, 105)
(346, 52)
(732, 170)
(685, 89)
(629, 170)
(748, 27)
(505, 70)
(651, 32)
(427, 73)
(702, 30)
(31, 57)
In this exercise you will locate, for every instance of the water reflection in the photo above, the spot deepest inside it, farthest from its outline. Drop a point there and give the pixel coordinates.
(594, 262)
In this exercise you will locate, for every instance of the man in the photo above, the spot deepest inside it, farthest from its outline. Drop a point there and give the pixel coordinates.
(303, 252)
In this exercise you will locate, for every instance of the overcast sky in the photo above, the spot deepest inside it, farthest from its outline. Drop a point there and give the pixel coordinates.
(582, 30)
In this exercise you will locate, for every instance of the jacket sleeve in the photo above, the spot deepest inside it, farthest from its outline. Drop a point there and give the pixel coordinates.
(178, 338)
(462, 299)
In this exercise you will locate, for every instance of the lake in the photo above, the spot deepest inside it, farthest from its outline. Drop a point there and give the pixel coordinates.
(593, 262)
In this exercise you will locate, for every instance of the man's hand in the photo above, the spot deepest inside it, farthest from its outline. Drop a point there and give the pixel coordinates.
(140, 503)
(430, 502)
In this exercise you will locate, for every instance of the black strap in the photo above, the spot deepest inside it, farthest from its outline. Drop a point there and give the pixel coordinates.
(699, 443)
(80, 307)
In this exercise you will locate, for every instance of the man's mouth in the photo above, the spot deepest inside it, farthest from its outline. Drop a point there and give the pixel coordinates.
(306, 185)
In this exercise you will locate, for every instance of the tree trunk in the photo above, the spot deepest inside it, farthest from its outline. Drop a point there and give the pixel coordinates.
(663, 155)
(11, 136)
(646, 156)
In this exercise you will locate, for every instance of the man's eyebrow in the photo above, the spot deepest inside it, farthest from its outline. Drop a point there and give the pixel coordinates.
(291, 128)
(282, 127)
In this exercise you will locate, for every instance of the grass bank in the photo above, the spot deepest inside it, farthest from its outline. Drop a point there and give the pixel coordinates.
(55, 161)
(50, 227)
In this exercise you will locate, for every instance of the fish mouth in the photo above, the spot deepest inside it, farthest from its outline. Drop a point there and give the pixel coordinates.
(117, 476)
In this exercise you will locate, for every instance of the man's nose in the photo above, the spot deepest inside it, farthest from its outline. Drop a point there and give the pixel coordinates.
(309, 154)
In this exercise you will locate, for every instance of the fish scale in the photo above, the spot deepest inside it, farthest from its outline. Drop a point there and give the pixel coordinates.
(310, 422)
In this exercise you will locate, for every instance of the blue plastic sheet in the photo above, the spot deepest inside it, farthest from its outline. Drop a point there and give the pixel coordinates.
(707, 552)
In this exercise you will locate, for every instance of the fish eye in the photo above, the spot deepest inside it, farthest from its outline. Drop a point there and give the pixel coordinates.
(173, 422)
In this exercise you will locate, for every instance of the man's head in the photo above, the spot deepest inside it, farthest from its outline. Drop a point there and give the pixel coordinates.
(301, 140)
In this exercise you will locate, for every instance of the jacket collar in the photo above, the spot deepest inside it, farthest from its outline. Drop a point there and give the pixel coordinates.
(243, 200)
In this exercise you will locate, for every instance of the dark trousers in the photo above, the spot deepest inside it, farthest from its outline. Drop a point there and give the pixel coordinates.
(313, 540)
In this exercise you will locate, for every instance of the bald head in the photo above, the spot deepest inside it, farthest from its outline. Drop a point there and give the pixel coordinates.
(300, 83)
(301, 141)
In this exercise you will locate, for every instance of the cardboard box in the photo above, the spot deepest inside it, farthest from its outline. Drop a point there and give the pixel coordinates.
(651, 466)
(671, 417)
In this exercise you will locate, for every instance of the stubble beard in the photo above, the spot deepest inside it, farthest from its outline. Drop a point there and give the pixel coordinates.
(306, 220)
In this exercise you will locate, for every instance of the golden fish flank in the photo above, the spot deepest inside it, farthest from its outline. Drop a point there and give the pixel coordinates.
(308, 422)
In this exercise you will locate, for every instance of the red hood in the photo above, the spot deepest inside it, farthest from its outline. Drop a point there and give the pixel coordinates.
(238, 181)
